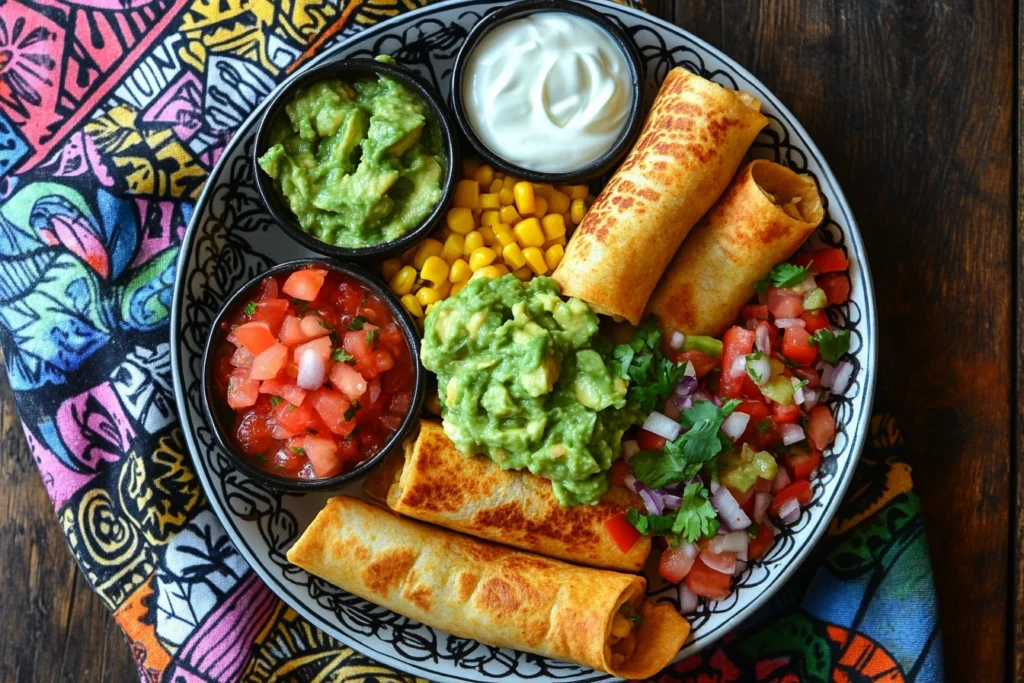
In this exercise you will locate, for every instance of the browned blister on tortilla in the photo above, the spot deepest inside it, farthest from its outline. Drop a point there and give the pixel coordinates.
(762, 219)
(434, 482)
(493, 594)
(692, 143)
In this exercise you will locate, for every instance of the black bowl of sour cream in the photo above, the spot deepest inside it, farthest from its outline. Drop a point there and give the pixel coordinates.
(549, 91)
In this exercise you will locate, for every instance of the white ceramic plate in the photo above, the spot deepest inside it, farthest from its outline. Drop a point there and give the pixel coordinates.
(231, 239)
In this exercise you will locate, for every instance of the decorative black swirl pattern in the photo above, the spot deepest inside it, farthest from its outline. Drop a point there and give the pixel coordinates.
(231, 239)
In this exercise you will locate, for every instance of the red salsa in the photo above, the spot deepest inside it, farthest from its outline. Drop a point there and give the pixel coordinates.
(317, 373)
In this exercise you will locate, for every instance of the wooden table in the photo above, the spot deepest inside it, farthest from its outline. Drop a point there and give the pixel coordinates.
(915, 106)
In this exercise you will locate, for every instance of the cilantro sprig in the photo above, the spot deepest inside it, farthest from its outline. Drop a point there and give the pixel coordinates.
(783, 276)
(831, 345)
(652, 376)
(341, 356)
(250, 308)
(696, 517)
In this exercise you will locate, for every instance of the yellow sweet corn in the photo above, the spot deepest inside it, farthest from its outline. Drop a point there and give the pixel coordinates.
(553, 256)
(540, 207)
(428, 247)
(487, 232)
(467, 194)
(578, 192)
(411, 305)
(576, 211)
(489, 218)
(504, 234)
(496, 186)
(410, 254)
(558, 202)
(542, 190)
(502, 269)
(443, 289)
(473, 241)
(427, 296)
(457, 287)
(460, 272)
(403, 281)
(513, 256)
(390, 267)
(508, 214)
(535, 260)
(435, 270)
(529, 232)
(488, 272)
(453, 248)
(484, 175)
(525, 200)
(505, 196)
(489, 201)
(509, 182)
(523, 273)
(460, 220)
(554, 225)
(480, 258)
(560, 241)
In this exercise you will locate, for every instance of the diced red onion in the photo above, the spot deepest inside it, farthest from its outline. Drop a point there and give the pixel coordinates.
(733, 542)
(783, 323)
(789, 511)
(715, 486)
(630, 482)
(841, 377)
(762, 485)
(663, 426)
(810, 398)
(701, 395)
(739, 367)
(677, 340)
(735, 425)
(729, 511)
(763, 340)
(312, 370)
(760, 370)
(690, 550)
(652, 505)
(798, 391)
(684, 403)
(725, 562)
(671, 410)
(671, 501)
(374, 391)
(741, 565)
(687, 385)
(791, 434)
(761, 503)
(771, 527)
(826, 374)
(781, 480)
(690, 371)
(629, 449)
(688, 602)
(716, 400)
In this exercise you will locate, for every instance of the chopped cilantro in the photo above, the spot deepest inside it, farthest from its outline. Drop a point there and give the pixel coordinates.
(259, 457)
(310, 430)
(753, 530)
(352, 434)
(300, 305)
(275, 401)
(373, 337)
(298, 450)
(351, 412)
(335, 339)
(341, 356)
(631, 614)
(801, 384)
(652, 376)
(322, 323)
(783, 276)
(357, 323)
(763, 426)
(831, 345)
(250, 308)
(695, 518)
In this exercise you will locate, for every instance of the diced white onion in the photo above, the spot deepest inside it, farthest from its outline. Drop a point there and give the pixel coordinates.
(735, 425)
(689, 549)
(312, 370)
(729, 510)
(672, 502)
(725, 563)
(663, 426)
(783, 323)
(798, 391)
(733, 542)
(808, 285)
(792, 434)
(781, 480)
(761, 503)
(826, 374)
(789, 511)
(760, 370)
(689, 371)
(629, 449)
(739, 367)
(687, 600)
(763, 339)
(810, 398)
(677, 340)
(841, 378)
(650, 503)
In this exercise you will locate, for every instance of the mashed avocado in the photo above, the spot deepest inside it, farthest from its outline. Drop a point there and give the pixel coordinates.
(359, 164)
(524, 377)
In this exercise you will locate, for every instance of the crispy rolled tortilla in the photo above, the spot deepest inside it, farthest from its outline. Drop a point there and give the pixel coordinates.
(693, 142)
(434, 482)
(498, 596)
(763, 218)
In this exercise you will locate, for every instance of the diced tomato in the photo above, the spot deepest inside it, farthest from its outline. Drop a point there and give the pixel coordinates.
(810, 375)
(815, 320)
(272, 312)
(623, 533)
(703, 363)
(313, 327)
(242, 358)
(296, 419)
(754, 312)
(796, 348)
(400, 403)
(676, 562)
(784, 303)
(649, 441)
(305, 284)
(346, 380)
(282, 434)
(286, 390)
(291, 332)
(785, 414)
(800, 463)
(242, 391)
(759, 413)
(827, 260)
(255, 336)
(705, 582)
(618, 472)
(750, 390)
(253, 429)
(384, 362)
(836, 287)
(322, 454)
(760, 544)
(322, 346)
(355, 342)
(266, 365)
(821, 427)
(289, 459)
(799, 491)
(332, 406)
(736, 342)
(268, 288)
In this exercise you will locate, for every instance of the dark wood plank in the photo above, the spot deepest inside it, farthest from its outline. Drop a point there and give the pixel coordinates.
(52, 626)
(1017, 518)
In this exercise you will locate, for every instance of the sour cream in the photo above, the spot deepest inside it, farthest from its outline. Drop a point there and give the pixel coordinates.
(549, 93)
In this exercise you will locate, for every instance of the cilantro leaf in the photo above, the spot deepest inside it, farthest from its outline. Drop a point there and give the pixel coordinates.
(351, 412)
(357, 323)
(275, 401)
(298, 450)
(696, 516)
(763, 426)
(783, 276)
(372, 337)
(652, 376)
(832, 345)
(341, 356)
(250, 308)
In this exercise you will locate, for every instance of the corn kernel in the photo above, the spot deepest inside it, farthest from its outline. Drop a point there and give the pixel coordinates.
(576, 211)
(543, 190)
(564, 189)
(529, 232)
(457, 287)
(560, 241)
(488, 272)
(541, 207)
(460, 272)
(505, 196)
(411, 305)
(525, 200)
(428, 247)
(390, 267)
(553, 256)
(489, 218)
(489, 201)
(431, 307)
(427, 296)
(504, 234)
(508, 214)
(435, 270)
(473, 241)
(578, 192)
(509, 182)
(470, 167)
(404, 279)
(535, 260)
(496, 186)
(502, 269)
(487, 232)
(523, 273)
(558, 202)
(498, 175)
(453, 248)
(443, 289)
(484, 175)
(554, 225)
(480, 258)
(513, 256)
(409, 255)
(467, 194)
(475, 213)
(460, 220)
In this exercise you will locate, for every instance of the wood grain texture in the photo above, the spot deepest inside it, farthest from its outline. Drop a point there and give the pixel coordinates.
(912, 102)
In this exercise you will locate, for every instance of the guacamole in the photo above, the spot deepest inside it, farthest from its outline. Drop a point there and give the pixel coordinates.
(359, 164)
(524, 377)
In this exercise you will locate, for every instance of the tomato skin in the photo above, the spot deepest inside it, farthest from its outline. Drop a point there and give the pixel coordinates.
(304, 284)
(331, 406)
(821, 427)
(272, 312)
(795, 346)
(266, 365)
(815, 320)
(785, 414)
(826, 260)
(784, 303)
(705, 582)
(322, 455)
(255, 336)
(799, 490)
(242, 391)
(760, 544)
(703, 363)
(649, 441)
(800, 463)
(675, 564)
(622, 532)
(618, 472)
(836, 287)
(754, 312)
(736, 342)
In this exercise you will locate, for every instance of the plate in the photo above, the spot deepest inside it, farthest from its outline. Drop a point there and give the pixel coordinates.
(231, 238)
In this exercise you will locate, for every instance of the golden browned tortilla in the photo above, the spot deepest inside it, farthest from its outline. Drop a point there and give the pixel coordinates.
(434, 482)
(692, 143)
(763, 218)
(493, 594)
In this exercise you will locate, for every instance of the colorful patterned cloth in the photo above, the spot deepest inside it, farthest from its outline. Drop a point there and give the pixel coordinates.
(112, 113)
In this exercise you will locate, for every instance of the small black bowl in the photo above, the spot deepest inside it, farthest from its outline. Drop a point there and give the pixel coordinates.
(525, 8)
(220, 415)
(350, 70)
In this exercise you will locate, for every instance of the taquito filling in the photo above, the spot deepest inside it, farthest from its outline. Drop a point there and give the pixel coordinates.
(622, 639)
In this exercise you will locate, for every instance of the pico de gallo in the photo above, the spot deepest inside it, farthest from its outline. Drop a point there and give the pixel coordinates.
(735, 427)
(317, 373)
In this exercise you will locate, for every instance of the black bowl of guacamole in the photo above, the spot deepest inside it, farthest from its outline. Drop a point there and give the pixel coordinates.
(356, 158)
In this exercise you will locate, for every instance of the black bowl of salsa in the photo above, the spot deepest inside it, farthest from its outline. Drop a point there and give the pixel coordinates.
(312, 375)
